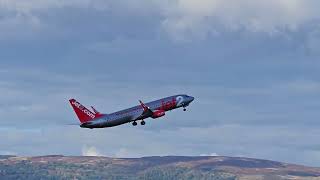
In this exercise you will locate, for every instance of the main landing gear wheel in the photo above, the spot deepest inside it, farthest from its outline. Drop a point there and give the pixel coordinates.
(143, 123)
(184, 109)
(134, 123)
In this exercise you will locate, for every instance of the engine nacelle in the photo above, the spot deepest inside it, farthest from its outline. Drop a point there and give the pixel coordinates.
(158, 113)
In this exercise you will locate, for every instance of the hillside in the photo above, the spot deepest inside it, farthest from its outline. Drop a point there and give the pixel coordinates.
(169, 167)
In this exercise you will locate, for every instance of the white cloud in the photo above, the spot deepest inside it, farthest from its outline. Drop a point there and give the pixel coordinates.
(90, 151)
(7, 152)
(200, 17)
(269, 142)
(182, 19)
(211, 154)
(26, 6)
(33, 5)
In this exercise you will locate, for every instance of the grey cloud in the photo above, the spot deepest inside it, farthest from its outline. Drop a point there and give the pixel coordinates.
(199, 18)
(271, 142)
(256, 92)
(41, 99)
(181, 19)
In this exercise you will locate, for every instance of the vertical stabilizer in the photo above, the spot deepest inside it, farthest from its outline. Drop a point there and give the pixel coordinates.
(82, 112)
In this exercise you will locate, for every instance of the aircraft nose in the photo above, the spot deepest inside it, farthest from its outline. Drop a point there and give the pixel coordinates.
(191, 98)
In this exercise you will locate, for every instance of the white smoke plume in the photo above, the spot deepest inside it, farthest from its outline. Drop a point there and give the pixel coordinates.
(90, 151)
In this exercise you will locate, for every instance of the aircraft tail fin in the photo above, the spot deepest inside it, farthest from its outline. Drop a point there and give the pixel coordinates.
(82, 112)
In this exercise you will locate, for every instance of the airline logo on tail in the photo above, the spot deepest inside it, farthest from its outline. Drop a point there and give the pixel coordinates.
(82, 112)
(83, 109)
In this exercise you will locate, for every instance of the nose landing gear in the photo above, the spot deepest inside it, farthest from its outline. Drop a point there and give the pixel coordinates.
(184, 106)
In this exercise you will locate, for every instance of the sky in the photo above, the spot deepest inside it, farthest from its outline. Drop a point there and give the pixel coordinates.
(252, 66)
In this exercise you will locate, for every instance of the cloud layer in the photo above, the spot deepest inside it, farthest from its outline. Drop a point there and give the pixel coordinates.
(205, 16)
(181, 19)
(253, 67)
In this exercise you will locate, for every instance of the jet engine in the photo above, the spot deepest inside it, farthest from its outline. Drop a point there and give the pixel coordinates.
(158, 113)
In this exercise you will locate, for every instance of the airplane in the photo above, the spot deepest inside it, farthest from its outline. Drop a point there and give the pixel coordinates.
(154, 109)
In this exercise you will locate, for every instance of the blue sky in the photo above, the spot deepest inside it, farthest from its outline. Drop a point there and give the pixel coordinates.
(253, 68)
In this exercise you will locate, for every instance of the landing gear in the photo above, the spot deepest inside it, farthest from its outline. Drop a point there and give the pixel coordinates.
(134, 123)
(184, 109)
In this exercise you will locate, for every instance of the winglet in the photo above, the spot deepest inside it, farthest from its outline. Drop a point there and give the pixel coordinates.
(145, 108)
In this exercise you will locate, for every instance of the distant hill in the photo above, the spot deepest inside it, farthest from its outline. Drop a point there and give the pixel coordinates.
(168, 167)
